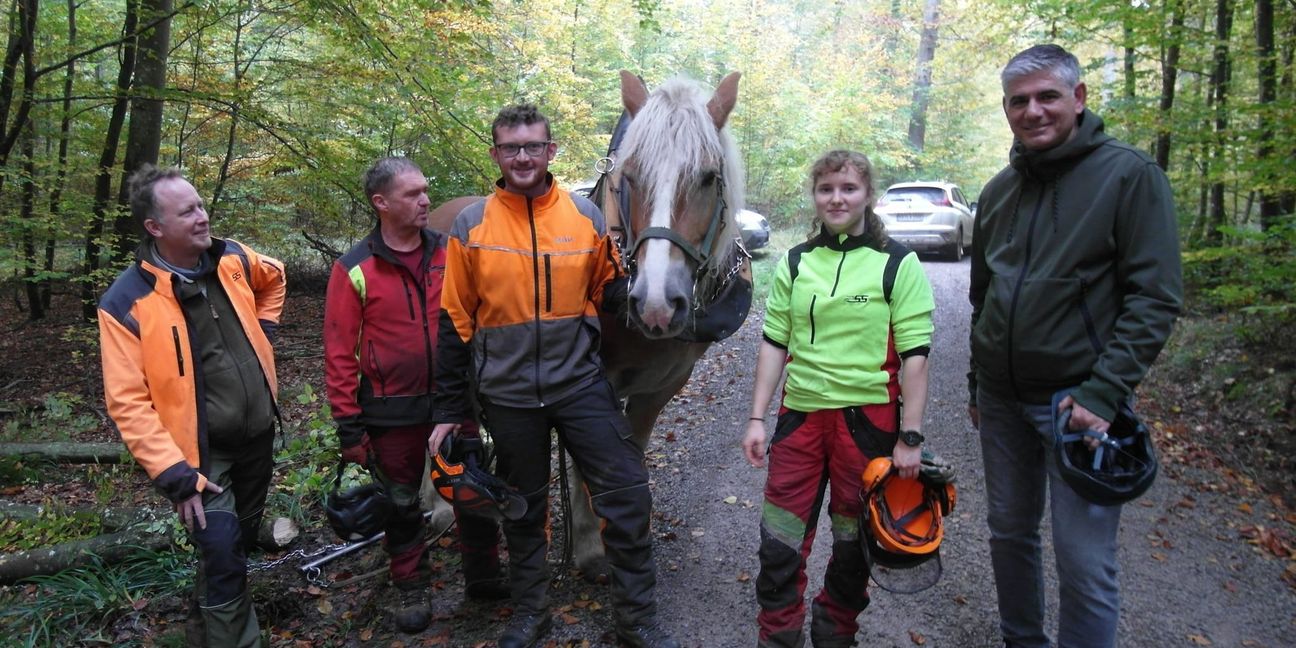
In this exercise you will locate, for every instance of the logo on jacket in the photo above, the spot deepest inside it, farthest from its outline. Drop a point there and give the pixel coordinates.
(857, 299)
(237, 275)
(564, 239)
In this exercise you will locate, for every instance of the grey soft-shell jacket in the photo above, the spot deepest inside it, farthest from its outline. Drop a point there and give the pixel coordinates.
(1075, 272)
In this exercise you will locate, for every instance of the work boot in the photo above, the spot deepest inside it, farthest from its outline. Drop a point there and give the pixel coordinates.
(488, 589)
(647, 634)
(525, 630)
(413, 614)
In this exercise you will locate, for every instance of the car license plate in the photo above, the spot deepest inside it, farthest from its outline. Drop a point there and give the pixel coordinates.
(910, 218)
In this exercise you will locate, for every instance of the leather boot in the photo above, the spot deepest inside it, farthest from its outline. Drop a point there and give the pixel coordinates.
(525, 630)
(413, 614)
(645, 634)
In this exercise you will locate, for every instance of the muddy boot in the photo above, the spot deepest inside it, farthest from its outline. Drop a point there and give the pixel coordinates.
(648, 633)
(525, 630)
(413, 614)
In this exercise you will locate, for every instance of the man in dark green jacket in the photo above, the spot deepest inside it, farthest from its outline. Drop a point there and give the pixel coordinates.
(1075, 284)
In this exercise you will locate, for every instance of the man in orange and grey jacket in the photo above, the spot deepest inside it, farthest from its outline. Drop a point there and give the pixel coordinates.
(189, 381)
(380, 334)
(526, 271)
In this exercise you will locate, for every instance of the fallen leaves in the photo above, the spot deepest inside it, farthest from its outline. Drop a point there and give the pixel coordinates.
(1273, 541)
(1199, 640)
(917, 638)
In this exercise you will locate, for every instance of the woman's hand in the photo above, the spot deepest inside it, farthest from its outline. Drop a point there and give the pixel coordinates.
(907, 459)
(753, 443)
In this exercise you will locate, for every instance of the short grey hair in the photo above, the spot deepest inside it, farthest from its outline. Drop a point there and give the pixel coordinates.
(140, 185)
(383, 170)
(1051, 58)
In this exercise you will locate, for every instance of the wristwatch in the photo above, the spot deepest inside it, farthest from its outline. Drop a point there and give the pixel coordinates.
(912, 438)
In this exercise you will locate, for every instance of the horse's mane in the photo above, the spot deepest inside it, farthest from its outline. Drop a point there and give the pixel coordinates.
(673, 135)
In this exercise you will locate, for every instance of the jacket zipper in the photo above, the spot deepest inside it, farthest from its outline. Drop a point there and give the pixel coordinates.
(382, 382)
(548, 283)
(535, 271)
(812, 320)
(1021, 279)
(837, 279)
(1088, 317)
(175, 337)
(409, 299)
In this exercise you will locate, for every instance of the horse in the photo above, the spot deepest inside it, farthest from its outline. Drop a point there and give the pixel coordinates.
(669, 189)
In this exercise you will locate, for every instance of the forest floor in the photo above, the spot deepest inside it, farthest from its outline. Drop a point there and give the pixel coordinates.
(1207, 554)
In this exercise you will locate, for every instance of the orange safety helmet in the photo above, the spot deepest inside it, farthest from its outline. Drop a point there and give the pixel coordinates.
(902, 520)
(460, 479)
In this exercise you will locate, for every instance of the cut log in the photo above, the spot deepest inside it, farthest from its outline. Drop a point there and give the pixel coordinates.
(277, 533)
(112, 518)
(68, 452)
(111, 547)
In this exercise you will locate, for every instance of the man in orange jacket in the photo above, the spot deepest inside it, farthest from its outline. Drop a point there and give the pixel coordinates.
(527, 270)
(189, 381)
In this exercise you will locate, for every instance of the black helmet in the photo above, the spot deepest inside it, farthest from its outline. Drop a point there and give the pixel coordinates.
(357, 513)
(1119, 470)
(460, 480)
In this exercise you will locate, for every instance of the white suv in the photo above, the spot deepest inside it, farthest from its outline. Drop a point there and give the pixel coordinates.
(928, 217)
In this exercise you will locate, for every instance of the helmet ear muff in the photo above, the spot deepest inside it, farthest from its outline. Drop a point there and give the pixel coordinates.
(902, 521)
(460, 480)
(357, 513)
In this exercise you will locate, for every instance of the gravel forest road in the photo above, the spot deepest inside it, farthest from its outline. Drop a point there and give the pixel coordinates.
(1189, 578)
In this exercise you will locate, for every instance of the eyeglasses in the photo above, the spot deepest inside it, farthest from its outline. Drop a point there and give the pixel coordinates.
(533, 149)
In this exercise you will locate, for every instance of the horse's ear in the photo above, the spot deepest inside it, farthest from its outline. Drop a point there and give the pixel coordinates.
(634, 94)
(722, 102)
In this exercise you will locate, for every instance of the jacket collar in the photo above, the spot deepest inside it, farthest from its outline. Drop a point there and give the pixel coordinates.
(1049, 164)
(842, 242)
(518, 203)
(153, 269)
(381, 250)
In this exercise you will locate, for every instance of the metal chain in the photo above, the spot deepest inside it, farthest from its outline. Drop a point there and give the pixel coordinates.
(267, 565)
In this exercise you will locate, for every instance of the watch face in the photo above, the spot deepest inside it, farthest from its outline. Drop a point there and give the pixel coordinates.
(911, 438)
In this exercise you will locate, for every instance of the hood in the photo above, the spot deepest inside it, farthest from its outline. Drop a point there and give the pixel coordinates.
(1049, 164)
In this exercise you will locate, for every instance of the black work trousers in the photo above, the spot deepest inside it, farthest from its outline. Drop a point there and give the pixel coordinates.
(591, 426)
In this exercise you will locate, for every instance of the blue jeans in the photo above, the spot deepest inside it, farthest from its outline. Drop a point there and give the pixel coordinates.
(1016, 447)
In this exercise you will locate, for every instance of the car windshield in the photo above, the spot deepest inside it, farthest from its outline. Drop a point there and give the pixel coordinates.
(934, 195)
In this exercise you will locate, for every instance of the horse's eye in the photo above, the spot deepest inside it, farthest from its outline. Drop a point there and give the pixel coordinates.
(708, 179)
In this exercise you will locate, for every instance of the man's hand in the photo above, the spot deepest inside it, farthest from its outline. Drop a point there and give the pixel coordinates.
(1082, 419)
(191, 510)
(358, 453)
(439, 434)
(975, 415)
(907, 459)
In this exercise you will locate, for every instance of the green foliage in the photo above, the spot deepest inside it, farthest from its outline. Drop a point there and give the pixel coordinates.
(78, 606)
(1252, 282)
(52, 526)
(60, 415)
(305, 463)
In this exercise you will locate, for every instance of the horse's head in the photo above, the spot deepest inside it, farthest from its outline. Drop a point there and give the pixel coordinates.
(685, 181)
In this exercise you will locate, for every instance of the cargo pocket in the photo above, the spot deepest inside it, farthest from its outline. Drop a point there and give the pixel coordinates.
(869, 438)
(787, 423)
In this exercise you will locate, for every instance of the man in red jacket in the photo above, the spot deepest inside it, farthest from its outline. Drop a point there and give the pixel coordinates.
(380, 331)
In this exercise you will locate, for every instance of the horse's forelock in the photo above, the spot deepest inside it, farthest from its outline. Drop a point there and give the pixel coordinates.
(673, 136)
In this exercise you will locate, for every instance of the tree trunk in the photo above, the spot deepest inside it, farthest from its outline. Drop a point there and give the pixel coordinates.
(111, 519)
(60, 180)
(27, 215)
(922, 76)
(1220, 76)
(219, 190)
(1270, 207)
(107, 160)
(1169, 77)
(111, 547)
(72, 452)
(144, 138)
(24, 47)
